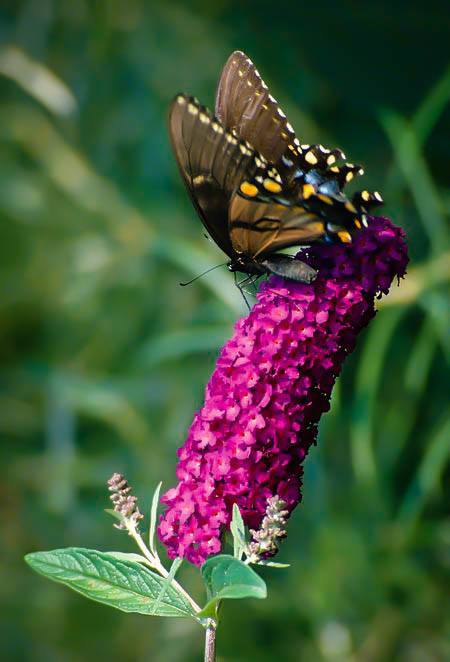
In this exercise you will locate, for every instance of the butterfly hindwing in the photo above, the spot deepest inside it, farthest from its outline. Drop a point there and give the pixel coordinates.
(258, 228)
(243, 103)
(304, 212)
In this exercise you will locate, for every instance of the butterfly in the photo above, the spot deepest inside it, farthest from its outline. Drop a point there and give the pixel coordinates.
(256, 188)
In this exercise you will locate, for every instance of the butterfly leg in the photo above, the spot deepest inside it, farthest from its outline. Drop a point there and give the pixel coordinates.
(252, 283)
(239, 285)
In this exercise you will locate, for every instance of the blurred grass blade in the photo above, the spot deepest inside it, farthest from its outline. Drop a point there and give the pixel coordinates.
(195, 261)
(436, 305)
(417, 176)
(418, 365)
(368, 383)
(414, 383)
(428, 475)
(179, 344)
(423, 122)
(61, 451)
(70, 171)
(108, 403)
(432, 107)
(37, 80)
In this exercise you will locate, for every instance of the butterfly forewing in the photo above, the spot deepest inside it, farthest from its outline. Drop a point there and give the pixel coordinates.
(243, 103)
(212, 162)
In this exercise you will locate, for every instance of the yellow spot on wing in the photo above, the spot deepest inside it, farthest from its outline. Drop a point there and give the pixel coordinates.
(350, 207)
(331, 159)
(365, 195)
(345, 236)
(272, 186)
(358, 224)
(249, 189)
(307, 191)
(325, 198)
(311, 158)
(349, 176)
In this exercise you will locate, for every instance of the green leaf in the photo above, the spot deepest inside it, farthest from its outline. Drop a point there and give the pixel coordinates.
(168, 581)
(237, 528)
(153, 513)
(227, 578)
(274, 564)
(128, 556)
(125, 585)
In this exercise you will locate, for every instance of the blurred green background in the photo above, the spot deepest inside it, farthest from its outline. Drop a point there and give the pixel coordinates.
(105, 357)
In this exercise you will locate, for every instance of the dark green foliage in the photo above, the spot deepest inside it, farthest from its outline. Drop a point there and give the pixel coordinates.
(105, 358)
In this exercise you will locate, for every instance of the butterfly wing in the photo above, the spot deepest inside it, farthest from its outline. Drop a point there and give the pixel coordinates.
(243, 103)
(237, 192)
(204, 159)
(259, 228)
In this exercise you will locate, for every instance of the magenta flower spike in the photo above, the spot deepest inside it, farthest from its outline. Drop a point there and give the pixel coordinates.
(272, 382)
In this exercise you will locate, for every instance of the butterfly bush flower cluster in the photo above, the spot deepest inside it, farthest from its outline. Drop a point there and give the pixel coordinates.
(272, 383)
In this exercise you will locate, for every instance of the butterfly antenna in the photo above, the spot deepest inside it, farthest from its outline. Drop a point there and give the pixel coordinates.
(203, 274)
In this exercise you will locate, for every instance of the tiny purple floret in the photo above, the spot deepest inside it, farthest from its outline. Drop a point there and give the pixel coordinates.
(271, 384)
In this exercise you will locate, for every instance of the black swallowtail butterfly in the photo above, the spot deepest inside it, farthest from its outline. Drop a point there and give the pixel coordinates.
(256, 188)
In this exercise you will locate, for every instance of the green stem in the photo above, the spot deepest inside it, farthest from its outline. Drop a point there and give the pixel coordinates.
(155, 563)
